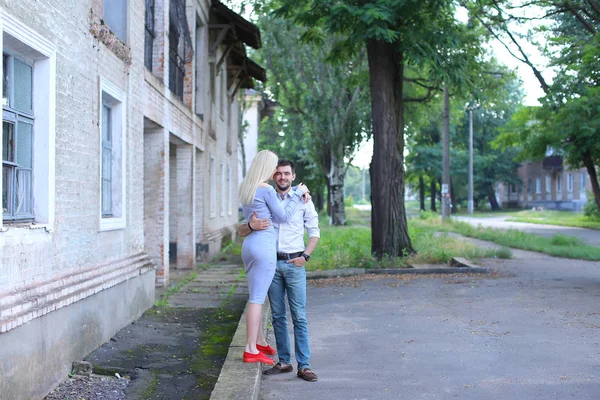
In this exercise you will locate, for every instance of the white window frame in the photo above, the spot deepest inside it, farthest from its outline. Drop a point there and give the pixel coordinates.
(558, 183)
(222, 202)
(548, 184)
(570, 182)
(113, 96)
(538, 185)
(229, 191)
(582, 181)
(43, 53)
(212, 187)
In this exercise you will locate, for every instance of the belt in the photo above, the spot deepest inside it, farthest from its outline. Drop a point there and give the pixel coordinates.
(288, 256)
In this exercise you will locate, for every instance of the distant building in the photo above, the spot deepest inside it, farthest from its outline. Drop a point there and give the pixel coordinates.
(120, 125)
(549, 184)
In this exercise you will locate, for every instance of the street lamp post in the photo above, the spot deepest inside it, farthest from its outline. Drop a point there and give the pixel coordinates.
(470, 200)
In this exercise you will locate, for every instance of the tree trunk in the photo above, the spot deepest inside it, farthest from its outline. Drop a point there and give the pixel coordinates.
(388, 215)
(588, 161)
(433, 190)
(422, 193)
(318, 201)
(492, 198)
(335, 178)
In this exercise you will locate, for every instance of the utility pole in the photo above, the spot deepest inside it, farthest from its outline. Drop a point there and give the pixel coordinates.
(470, 202)
(446, 158)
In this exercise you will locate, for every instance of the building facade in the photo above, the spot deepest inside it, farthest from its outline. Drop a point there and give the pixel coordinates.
(119, 163)
(548, 184)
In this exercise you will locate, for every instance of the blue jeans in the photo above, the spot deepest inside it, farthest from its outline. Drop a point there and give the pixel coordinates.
(291, 280)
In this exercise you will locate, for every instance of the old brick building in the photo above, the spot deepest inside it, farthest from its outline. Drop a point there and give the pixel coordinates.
(120, 122)
(547, 184)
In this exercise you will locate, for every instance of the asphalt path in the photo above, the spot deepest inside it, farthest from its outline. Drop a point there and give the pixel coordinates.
(589, 236)
(531, 330)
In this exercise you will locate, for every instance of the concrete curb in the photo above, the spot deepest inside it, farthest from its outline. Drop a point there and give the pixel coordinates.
(240, 381)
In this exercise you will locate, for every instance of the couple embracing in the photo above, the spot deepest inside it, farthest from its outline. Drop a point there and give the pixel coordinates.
(274, 256)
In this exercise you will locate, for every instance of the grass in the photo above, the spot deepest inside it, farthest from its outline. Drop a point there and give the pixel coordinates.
(558, 245)
(164, 298)
(350, 246)
(562, 218)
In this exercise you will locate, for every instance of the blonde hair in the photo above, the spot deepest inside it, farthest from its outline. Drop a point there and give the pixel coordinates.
(262, 169)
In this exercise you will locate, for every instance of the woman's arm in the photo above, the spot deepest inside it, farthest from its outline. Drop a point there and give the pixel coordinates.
(283, 214)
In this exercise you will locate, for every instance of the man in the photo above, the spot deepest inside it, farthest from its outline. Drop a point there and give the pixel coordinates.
(290, 274)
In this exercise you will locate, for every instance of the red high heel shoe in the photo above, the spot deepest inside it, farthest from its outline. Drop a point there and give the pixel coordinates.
(268, 350)
(258, 357)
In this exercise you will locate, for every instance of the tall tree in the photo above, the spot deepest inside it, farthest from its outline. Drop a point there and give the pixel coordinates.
(326, 102)
(396, 34)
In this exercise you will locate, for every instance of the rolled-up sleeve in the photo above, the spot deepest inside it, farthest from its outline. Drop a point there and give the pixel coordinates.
(311, 220)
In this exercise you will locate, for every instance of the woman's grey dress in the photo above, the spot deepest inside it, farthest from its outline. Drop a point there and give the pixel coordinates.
(259, 251)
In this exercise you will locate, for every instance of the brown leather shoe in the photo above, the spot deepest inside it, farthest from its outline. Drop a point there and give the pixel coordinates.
(278, 369)
(307, 375)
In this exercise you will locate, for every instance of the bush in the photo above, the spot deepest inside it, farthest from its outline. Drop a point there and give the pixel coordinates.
(349, 201)
(590, 209)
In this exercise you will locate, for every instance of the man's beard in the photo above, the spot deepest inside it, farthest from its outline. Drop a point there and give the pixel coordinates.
(283, 188)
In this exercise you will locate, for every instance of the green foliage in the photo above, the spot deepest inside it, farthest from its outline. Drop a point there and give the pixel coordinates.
(590, 209)
(349, 201)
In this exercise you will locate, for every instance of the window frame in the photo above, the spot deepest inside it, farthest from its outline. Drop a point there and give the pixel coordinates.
(582, 181)
(229, 191)
(16, 117)
(570, 182)
(149, 33)
(548, 184)
(212, 189)
(176, 63)
(538, 185)
(113, 97)
(558, 184)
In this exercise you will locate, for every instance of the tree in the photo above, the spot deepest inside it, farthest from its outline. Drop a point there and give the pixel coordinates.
(396, 34)
(326, 102)
(568, 121)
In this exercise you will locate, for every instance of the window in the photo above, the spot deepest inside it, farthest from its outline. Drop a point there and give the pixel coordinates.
(529, 186)
(17, 138)
(558, 184)
(212, 189)
(538, 185)
(223, 187)
(200, 69)
(112, 151)
(548, 180)
(149, 34)
(28, 129)
(570, 182)
(115, 17)
(176, 63)
(513, 188)
(223, 91)
(229, 192)
(582, 182)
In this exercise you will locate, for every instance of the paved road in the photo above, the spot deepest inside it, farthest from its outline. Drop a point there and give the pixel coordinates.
(589, 236)
(532, 332)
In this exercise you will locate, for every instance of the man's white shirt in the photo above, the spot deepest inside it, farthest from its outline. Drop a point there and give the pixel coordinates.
(290, 235)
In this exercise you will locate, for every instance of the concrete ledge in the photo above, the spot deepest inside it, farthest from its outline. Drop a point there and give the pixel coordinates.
(238, 380)
(334, 273)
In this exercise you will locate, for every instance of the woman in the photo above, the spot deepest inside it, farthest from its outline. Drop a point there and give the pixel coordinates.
(258, 249)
